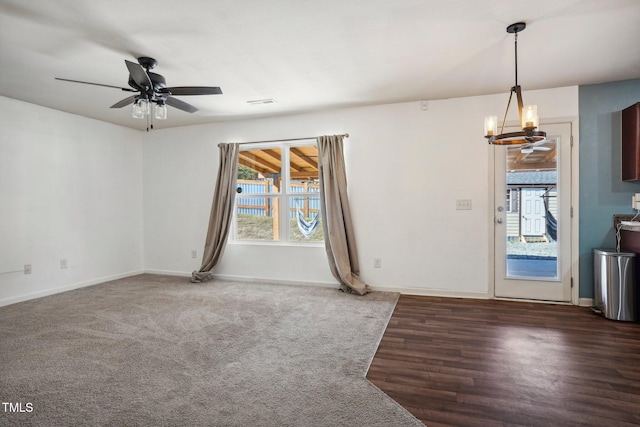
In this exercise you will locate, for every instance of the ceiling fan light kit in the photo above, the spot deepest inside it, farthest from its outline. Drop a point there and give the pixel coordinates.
(529, 119)
(140, 109)
(152, 88)
(161, 111)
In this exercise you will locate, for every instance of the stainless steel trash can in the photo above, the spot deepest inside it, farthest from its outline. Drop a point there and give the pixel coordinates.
(615, 290)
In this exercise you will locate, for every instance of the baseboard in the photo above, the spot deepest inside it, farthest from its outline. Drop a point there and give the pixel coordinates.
(168, 272)
(585, 302)
(447, 293)
(65, 288)
(275, 281)
(400, 290)
(236, 278)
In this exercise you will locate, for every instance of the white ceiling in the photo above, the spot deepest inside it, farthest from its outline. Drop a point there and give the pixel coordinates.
(307, 54)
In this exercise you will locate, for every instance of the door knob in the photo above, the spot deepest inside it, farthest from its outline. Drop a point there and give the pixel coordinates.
(498, 220)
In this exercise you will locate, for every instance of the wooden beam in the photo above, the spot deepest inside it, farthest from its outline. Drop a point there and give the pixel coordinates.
(274, 154)
(309, 175)
(533, 166)
(520, 157)
(302, 165)
(258, 164)
(551, 155)
(253, 166)
(310, 161)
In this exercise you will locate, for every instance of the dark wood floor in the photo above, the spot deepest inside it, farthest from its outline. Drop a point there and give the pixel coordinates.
(462, 362)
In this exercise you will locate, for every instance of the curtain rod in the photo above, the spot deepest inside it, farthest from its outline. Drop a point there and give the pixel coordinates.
(345, 135)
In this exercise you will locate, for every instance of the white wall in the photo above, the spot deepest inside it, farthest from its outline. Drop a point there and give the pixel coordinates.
(406, 168)
(70, 187)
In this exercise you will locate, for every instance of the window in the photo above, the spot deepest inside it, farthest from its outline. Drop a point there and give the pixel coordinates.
(512, 200)
(278, 196)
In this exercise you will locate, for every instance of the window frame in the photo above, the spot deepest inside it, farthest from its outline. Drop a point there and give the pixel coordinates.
(284, 197)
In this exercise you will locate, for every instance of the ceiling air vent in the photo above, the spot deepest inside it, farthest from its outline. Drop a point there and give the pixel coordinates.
(262, 101)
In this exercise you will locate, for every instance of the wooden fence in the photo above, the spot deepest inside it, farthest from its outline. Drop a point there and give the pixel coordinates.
(268, 205)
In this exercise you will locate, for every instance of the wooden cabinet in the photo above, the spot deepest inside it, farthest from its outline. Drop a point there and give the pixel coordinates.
(631, 143)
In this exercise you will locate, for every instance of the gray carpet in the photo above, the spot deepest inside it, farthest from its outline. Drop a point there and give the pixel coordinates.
(160, 351)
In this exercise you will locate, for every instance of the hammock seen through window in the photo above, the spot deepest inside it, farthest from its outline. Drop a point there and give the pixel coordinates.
(306, 227)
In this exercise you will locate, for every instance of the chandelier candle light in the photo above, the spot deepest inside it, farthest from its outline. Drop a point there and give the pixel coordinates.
(528, 113)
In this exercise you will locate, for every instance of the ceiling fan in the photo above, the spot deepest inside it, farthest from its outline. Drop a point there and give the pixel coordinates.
(152, 88)
(536, 146)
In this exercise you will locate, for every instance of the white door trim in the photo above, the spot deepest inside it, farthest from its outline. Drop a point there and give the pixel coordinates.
(575, 199)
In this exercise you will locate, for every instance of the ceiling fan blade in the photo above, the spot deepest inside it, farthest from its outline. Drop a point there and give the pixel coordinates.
(542, 141)
(181, 105)
(96, 84)
(541, 148)
(192, 90)
(139, 75)
(125, 102)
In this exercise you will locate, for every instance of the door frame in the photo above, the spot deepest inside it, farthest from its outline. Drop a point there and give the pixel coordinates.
(573, 122)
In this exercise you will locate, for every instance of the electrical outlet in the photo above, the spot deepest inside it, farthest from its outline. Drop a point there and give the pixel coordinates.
(27, 269)
(63, 263)
(377, 263)
(194, 254)
(463, 204)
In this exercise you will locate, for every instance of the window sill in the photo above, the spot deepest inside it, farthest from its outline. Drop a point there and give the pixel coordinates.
(284, 244)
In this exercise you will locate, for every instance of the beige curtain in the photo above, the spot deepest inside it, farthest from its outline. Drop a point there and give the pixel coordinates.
(221, 211)
(339, 237)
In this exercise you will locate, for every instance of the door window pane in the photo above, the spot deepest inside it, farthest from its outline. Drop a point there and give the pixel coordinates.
(532, 226)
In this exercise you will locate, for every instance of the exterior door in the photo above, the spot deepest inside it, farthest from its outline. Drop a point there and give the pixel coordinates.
(533, 212)
(533, 260)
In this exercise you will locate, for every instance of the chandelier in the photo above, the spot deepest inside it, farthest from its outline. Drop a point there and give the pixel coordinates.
(528, 113)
